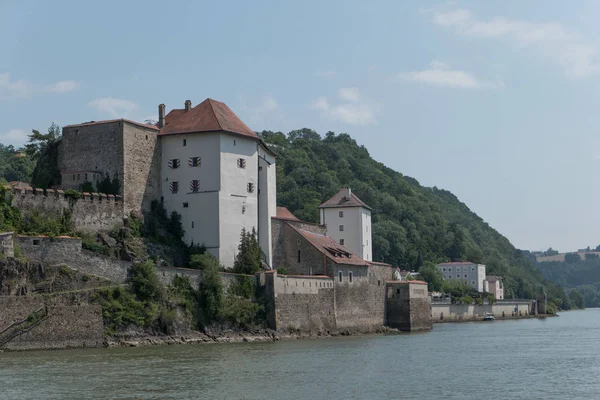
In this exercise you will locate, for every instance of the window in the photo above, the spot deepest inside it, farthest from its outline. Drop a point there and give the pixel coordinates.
(378, 283)
(244, 209)
(457, 276)
(465, 269)
(341, 228)
(194, 161)
(36, 242)
(472, 282)
(73, 176)
(184, 142)
(466, 276)
(174, 187)
(298, 242)
(341, 214)
(350, 277)
(241, 163)
(250, 187)
(194, 186)
(146, 137)
(186, 205)
(443, 269)
(340, 276)
(86, 176)
(298, 255)
(234, 142)
(472, 269)
(449, 269)
(342, 242)
(174, 163)
(192, 224)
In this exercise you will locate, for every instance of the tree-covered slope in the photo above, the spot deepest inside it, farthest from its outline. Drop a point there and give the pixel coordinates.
(411, 223)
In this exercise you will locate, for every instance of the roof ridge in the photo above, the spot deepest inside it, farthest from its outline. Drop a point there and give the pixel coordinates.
(212, 108)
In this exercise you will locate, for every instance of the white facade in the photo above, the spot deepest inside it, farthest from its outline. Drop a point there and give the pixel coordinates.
(217, 193)
(350, 227)
(267, 200)
(495, 287)
(474, 274)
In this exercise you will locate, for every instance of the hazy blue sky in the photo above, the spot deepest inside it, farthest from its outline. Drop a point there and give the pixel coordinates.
(495, 101)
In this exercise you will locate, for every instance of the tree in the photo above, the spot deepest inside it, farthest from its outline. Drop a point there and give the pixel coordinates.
(145, 283)
(211, 296)
(40, 142)
(457, 248)
(43, 148)
(576, 298)
(430, 273)
(248, 260)
(571, 258)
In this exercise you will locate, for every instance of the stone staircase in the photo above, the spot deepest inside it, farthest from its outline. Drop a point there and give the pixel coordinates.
(22, 326)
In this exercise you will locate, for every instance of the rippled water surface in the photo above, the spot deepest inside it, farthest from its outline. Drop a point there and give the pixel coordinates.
(556, 358)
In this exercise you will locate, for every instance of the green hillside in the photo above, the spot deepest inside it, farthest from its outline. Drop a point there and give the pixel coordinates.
(412, 224)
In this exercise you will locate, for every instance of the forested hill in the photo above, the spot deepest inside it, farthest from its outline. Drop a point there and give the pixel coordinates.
(412, 224)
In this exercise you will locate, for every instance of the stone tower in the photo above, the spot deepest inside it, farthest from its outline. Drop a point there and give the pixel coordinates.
(348, 221)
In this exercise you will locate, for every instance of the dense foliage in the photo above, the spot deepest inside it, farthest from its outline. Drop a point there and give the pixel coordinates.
(411, 223)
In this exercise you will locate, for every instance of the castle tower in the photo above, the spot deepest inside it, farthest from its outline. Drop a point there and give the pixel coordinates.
(219, 176)
(348, 221)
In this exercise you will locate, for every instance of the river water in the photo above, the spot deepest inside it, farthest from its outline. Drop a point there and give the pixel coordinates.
(556, 358)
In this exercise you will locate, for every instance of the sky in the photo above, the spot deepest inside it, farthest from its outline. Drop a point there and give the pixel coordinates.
(496, 101)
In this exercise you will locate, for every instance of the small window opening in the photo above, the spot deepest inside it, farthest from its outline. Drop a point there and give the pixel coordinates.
(36, 242)
(397, 291)
(241, 163)
(146, 137)
(341, 228)
(341, 214)
(378, 283)
(186, 205)
(184, 142)
(192, 224)
(234, 142)
(340, 276)
(342, 242)
(298, 255)
(250, 187)
(349, 277)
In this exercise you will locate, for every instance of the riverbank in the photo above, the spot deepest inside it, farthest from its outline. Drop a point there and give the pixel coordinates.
(460, 320)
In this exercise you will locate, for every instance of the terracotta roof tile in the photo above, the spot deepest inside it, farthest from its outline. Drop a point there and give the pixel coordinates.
(332, 249)
(284, 213)
(208, 116)
(340, 200)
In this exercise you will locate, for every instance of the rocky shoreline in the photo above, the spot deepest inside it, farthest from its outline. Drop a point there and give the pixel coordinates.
(231, 336)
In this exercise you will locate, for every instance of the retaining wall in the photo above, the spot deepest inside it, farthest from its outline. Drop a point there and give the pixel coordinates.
(92, 213)
(469, 312)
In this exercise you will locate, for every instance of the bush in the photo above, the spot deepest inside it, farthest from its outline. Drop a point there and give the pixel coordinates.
(240, 312)
(89, 243)
(121, 308)
(166, 320)
(210, 296)
(203, 262)
(145, 283)
(244, 287)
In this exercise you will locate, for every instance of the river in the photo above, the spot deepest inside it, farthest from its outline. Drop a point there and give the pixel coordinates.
(556, 358)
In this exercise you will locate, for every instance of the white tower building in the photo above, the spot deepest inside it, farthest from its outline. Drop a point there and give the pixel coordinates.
(348, 221)
(213, 168)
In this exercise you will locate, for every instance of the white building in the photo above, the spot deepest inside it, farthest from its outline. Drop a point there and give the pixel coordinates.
(217, 173)
(495, 286)
(348, 221)
(474, 274)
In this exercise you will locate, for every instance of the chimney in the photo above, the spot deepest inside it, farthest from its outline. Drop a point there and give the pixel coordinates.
(161, 115)
(348, 194)
(188, 105)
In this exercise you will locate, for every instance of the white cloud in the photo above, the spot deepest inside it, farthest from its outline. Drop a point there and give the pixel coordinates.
(440, 74)
(116, 108)
(16, 137)
(266, 108)
(570, 50)
(21, 88)
(348, 94)
(268, 105)
(63, 86)
(353, 110)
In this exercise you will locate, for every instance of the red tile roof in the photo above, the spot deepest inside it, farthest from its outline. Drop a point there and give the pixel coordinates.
(108, 121)
(208, 116)
(284, 213)
(382, 264)
(332, 249)
(340, 200)
(407, 282)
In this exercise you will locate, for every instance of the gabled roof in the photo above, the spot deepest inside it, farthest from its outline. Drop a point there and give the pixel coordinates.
(340, 200)
(108, 121)
(284, 213)
(208, 116)
(332, 249)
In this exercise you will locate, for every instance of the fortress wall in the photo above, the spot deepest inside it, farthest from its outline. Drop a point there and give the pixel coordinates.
(90, 214)
(470, 312)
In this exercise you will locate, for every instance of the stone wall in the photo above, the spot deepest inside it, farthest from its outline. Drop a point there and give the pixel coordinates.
(469, 312)
(299, 303)
(92, 213)
(408, 306)
(17, 308)
(91, 147)
(141, 163)
(287, 242)
(64, 327)
(7, 244)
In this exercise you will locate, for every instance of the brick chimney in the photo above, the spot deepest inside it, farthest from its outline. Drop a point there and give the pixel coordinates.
(348, 194)
(188, 105)
(161, 115)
